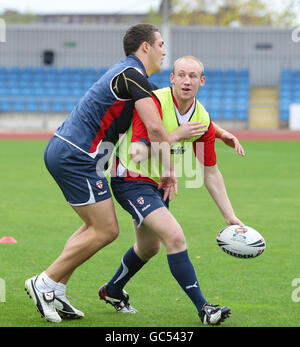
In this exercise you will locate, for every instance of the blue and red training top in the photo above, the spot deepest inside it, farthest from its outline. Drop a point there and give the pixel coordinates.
(106, 109)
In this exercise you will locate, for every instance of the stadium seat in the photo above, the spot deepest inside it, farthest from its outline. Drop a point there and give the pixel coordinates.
(38, 92)
(90, 71)
(14, 92)
(18, 106)
(70, 106)
(44, 106)
(242, 106)
(296, 91)
(5, 106)
(228, 115)
(242, 115)
(26, 91)
(3, 91)
(215, 115)
(229, 93)
(31, 106)
(296, 99)
(285, 93)
(284, 115)
(28, 70)
(58, 106)
(230, 73)
(3, 70)
(203, 102)
(63, 92)
(40, 70)
(76, 92)
(216, 93)
(243, 72)
(15, 70)
(65, 71)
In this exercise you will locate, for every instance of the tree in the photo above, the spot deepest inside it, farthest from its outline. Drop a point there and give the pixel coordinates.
(16, 17)
(226, 12)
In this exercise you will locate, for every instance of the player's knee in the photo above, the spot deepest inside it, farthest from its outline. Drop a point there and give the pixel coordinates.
(112, 233)
(107, 235)
(176, 242)
(151, 251)
(155, 250)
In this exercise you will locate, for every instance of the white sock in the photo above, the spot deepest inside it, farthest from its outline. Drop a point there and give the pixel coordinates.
(44, 283)
(60, 289)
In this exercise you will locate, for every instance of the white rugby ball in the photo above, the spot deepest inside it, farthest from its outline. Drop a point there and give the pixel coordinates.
(241, 242)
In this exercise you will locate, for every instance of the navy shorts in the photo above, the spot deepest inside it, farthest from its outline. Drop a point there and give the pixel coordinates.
(75, 173)
(139, 198)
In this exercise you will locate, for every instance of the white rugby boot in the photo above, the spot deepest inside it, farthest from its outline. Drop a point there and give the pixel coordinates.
(44, 302)
(65, 309)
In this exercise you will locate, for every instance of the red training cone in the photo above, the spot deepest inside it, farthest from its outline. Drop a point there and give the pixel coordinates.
(7, 239)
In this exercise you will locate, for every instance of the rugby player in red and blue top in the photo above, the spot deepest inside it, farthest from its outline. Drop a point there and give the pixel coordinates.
(72, 154)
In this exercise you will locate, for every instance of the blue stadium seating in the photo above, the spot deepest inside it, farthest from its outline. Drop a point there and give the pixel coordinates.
(31, 106)
(45, 106)
(44, 89)
(52, 89)
(18, 106)
(5, 106)
(289, 91)
(228, 89)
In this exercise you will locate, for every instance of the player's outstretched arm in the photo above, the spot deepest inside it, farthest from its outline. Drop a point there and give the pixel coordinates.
(229, 139)
(215, 185)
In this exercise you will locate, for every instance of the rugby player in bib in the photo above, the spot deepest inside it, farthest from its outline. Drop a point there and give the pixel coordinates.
(137, 187)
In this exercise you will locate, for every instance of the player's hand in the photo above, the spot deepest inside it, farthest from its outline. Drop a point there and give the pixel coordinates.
(232, 141)
(168, 180)
(139, 151)
(233, 220)
(191, 129)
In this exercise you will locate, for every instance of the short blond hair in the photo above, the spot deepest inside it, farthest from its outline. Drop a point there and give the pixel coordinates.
(191, 57)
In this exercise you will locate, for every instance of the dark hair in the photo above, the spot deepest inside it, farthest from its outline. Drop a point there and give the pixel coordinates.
(136, 35)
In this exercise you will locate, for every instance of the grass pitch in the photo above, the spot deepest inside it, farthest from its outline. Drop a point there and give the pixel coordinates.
(264, 190)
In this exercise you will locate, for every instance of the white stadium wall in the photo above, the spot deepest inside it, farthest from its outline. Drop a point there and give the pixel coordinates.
(264, 51)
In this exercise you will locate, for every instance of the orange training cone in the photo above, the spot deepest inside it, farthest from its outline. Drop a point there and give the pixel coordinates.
(7, 239)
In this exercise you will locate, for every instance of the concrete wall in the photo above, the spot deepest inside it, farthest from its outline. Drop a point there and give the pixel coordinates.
(265, 51)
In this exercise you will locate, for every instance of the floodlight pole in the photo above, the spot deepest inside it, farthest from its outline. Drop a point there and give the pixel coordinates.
(165, 30)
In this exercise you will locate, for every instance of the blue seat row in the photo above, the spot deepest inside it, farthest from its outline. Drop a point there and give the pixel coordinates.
(51, 89)
(210, 93)
(289, 91)
(229, 115)
(42, 92)
(50, 71)
(36, 106)
(289, 72)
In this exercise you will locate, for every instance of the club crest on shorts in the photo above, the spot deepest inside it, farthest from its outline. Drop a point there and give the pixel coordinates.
(140, 200)
(99, 184)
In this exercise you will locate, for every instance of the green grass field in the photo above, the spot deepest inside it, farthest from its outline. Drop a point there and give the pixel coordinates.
(265, 191)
